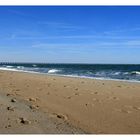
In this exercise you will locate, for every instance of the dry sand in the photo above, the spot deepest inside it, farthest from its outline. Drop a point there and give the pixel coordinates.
(37, 103)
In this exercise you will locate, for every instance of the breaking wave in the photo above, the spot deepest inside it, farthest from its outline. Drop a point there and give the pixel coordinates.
(53, 71)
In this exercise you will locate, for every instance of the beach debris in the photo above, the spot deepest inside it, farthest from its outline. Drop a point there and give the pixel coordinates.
(10, 108)
(24, 121)
(76, 89)
(13, 100)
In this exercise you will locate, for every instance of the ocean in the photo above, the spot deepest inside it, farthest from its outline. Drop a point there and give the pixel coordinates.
(127, 72)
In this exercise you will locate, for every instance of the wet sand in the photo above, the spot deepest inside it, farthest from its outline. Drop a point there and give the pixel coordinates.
(41, 104)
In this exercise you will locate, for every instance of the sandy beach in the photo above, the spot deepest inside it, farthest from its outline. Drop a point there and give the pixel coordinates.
(42, 104)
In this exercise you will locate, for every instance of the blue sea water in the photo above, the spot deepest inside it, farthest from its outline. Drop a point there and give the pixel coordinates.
(97, 71)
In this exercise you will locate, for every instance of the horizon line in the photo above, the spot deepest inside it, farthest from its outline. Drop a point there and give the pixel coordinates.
(69, 63)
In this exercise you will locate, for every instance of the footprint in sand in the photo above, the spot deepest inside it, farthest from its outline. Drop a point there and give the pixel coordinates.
(11, 108)
(77, 94)
(34, 107)
(124, 111)
(129, 107)
(96, 100)
(69, 97)
(76, 88)
(32, 99)
(49, 85)
(136, 108)
(89, 104)
(60, 116)
(9, 94)
(13, 100)
(24, 121)
(17, 89)
(17, 94)
(8, 126)
(113, 98)
(94, 93)
(40, 89)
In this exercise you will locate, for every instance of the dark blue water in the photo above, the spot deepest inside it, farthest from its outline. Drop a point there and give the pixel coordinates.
(101, 71)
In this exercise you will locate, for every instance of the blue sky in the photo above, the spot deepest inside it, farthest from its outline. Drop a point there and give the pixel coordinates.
(67, 34)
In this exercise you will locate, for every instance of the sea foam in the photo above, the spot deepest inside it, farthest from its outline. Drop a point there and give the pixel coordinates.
(53, 71)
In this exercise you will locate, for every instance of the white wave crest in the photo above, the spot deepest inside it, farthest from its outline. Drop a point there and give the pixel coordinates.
(20, 67)
(53, 71)
(116, 73)
(34, 65)
(9, 66)
(135, 73)
(8, 69)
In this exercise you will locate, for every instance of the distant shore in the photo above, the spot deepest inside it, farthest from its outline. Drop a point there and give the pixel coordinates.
(39, 103)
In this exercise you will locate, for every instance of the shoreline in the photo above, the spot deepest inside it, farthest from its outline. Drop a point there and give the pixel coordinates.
(71, 76)
(76, 105)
